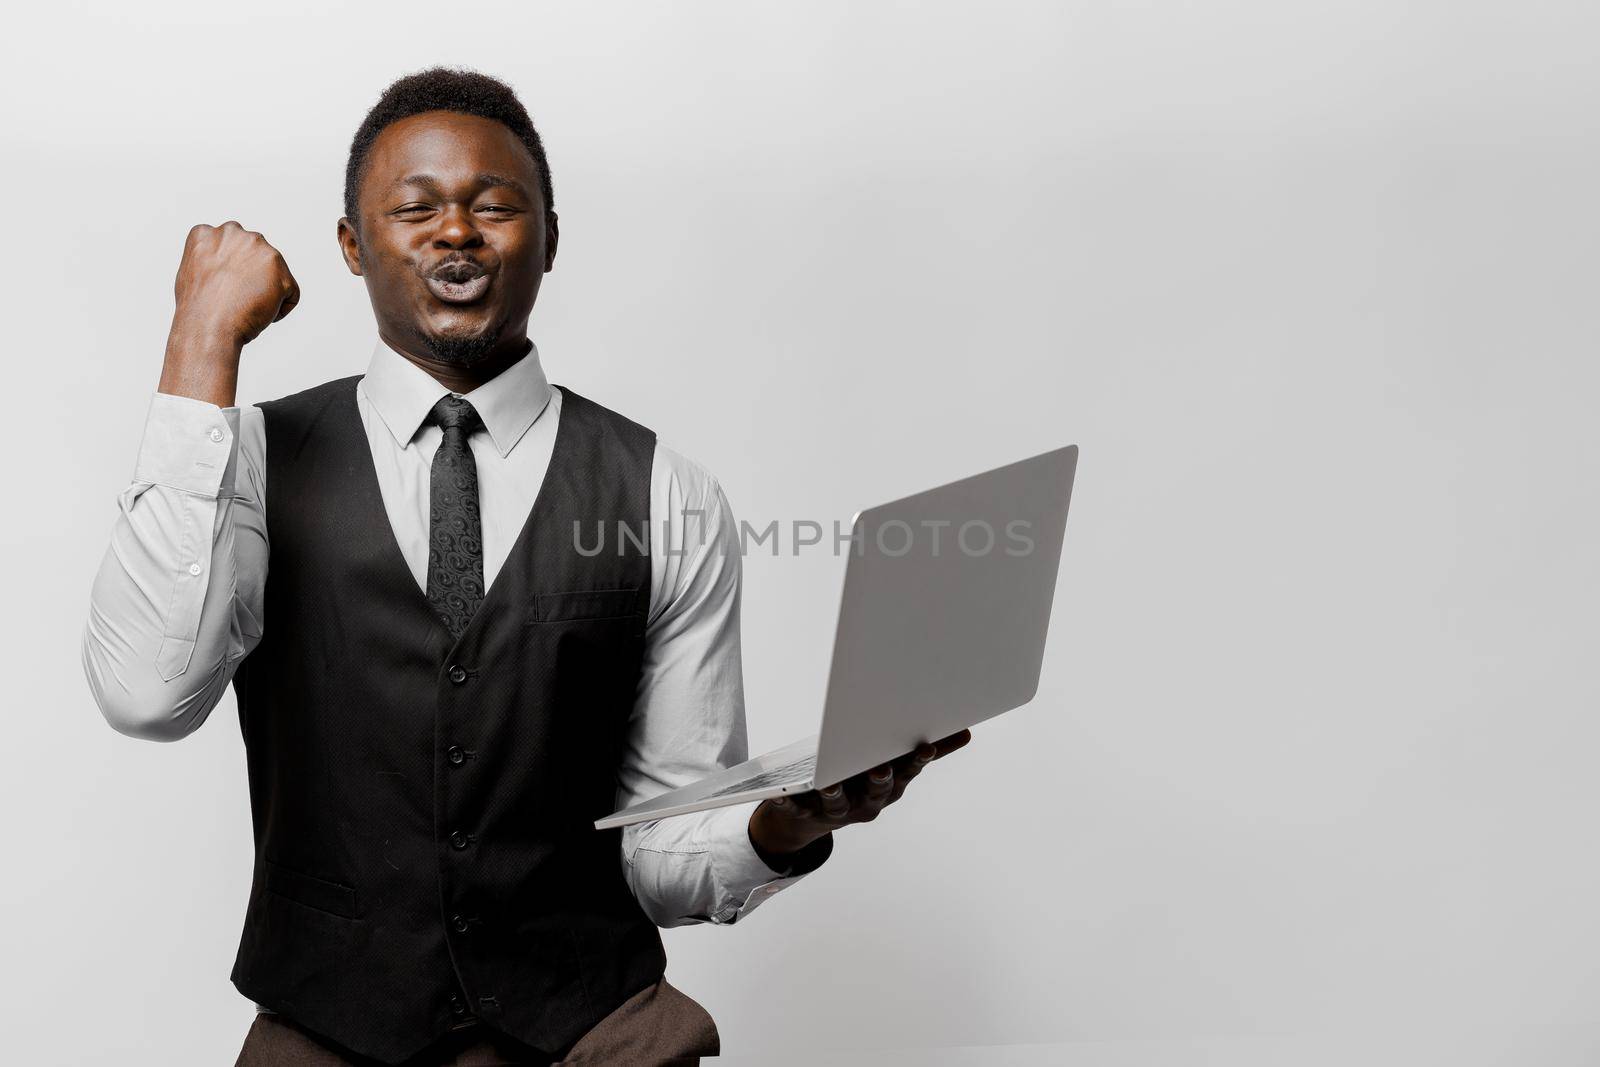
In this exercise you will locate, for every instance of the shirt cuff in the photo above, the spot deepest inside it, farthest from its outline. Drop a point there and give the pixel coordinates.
(189, 445)
(743, 876)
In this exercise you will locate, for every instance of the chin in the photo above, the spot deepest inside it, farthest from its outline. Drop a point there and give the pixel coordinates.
(462, 347)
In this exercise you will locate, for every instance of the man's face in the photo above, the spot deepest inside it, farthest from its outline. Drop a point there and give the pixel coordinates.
(454, 236)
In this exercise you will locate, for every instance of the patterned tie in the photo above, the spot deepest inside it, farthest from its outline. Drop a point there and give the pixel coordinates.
(455, 528)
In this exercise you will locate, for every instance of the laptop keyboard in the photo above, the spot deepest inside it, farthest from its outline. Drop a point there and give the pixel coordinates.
(789, 774)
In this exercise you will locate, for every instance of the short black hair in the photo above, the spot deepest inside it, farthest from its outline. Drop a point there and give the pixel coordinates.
(443, 89)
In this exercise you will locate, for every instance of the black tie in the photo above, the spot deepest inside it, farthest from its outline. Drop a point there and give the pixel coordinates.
(455, 528)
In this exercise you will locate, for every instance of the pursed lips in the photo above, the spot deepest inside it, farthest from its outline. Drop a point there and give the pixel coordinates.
(460, 282)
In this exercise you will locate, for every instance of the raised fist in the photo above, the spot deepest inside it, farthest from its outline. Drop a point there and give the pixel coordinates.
(232, 284)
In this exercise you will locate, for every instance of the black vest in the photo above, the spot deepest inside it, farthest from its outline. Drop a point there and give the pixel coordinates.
(423, 808)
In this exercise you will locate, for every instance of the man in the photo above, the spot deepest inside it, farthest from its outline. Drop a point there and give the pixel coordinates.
(438, 692)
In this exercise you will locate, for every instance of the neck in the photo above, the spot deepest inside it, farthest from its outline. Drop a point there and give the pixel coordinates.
(461, 378)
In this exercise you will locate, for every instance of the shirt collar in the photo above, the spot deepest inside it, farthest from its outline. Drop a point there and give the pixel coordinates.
(403, 394)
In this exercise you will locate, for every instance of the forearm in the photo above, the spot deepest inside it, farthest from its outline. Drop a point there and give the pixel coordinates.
(202, 362)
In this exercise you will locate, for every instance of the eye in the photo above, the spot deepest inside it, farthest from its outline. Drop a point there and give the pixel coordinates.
(500, 209)
(410, 209)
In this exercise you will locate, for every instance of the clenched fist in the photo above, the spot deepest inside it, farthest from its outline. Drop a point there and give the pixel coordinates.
(231, 285)
(232, 282)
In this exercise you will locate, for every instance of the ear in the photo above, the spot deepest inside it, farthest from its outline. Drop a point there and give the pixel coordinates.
(350, 246)
(552, 236)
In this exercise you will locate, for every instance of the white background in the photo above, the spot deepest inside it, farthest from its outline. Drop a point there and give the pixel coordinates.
(1310, 777)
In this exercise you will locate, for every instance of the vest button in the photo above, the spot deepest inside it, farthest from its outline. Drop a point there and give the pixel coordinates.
(459, 922)
(458, 673)
(457, 1006)
(456, 755)
(458, 840)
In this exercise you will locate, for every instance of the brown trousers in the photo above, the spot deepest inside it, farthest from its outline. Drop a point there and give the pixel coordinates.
(658, 1025)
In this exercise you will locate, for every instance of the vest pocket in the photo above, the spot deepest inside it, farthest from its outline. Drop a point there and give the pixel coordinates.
(584, 604)
(311, 891)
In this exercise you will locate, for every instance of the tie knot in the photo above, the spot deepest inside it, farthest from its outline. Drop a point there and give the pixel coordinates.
(452, 412)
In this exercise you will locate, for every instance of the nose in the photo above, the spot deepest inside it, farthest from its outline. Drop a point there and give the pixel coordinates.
(456, 229)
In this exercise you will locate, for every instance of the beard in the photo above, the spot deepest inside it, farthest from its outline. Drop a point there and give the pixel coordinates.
(463, 351)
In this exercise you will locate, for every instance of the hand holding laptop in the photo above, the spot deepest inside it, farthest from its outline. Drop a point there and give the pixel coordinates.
(942, 625)
(784, 825)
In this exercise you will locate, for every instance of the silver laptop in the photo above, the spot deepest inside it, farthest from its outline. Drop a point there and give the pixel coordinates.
(942, 625)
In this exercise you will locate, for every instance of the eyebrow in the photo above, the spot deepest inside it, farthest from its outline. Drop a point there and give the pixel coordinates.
(428, 183)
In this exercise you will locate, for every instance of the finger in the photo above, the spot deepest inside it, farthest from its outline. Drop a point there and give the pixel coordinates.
(913, 763)
(925, 754)
(879, 793)
(806, 804)
(291, 299)
(835, 802)
(917, 758)
(945, 746)
(794, 808)
(787, 805)
(902, 782)
(907, 769)
(877, 776)
(290, 302)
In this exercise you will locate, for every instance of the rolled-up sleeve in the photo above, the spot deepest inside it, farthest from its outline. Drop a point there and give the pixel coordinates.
(176, 602)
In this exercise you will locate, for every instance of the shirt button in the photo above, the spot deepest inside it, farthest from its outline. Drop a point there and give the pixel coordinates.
(459, 923)
(458, 673)
(216, 434)
(455, 754)
(194, 568)
(458, 840)
(457, 1006)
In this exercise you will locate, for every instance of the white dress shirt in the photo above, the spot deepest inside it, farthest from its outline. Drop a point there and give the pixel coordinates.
(178, 600)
